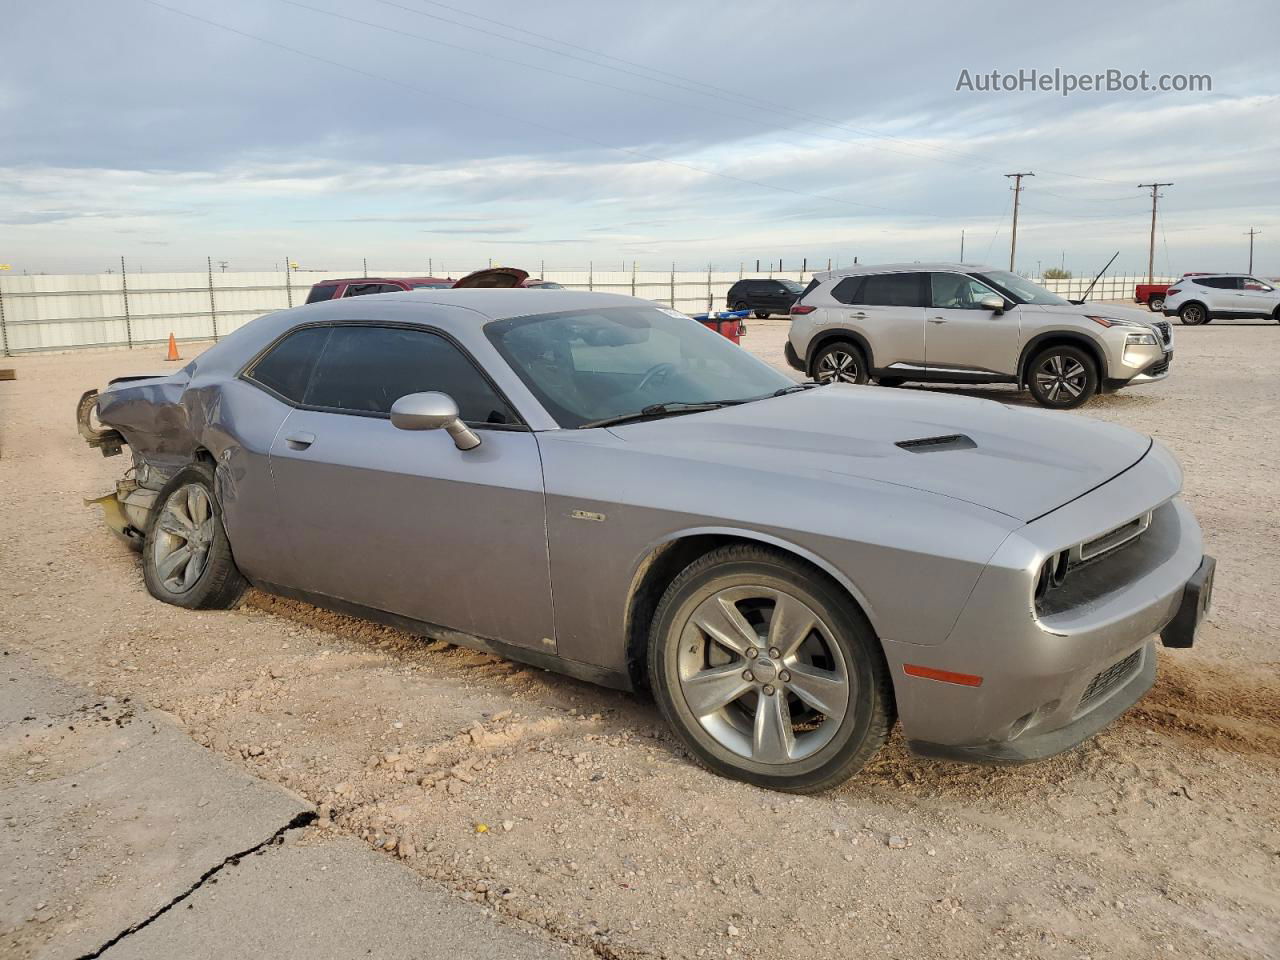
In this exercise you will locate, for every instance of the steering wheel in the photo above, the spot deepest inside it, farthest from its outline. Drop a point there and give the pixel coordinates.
(659, 371)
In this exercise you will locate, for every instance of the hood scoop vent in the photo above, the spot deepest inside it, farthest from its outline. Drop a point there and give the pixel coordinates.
(951, 441)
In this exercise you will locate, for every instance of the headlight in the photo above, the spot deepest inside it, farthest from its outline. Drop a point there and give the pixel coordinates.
(1140, 339)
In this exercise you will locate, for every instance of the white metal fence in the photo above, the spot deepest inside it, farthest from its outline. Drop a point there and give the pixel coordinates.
(71, 311)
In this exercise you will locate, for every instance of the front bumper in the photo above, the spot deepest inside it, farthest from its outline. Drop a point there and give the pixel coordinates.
(1051, 679)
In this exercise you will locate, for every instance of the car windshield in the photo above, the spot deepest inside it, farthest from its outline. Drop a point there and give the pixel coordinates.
(590, 365)
(1020, 289)
(432, 286)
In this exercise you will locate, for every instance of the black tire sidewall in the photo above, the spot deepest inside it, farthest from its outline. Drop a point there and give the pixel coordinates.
(847, 347)
(863, 729)
(1075, 353)
(1182, 314)
(761, 314)
(220, 584)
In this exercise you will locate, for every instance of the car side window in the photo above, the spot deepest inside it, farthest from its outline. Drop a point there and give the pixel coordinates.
(1253, 283)
(286, 368)
(847, 290)
(954, 291)
(893, 290)
(367, 369)
(362, 289)
(322, 291)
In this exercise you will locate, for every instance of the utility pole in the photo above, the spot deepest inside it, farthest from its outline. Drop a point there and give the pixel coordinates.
(1017, 190)
(1251, 234)
(962, 245)
(1151, 250)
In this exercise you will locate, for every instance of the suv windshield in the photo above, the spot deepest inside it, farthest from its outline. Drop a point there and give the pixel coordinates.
(591, 365)
(1020, 289)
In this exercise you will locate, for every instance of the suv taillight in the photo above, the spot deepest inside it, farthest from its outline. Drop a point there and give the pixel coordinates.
(800, 309)
(1171, 291)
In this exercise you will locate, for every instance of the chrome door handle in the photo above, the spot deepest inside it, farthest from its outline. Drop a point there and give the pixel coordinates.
(937, 319)
(857, 315)
(300, 441)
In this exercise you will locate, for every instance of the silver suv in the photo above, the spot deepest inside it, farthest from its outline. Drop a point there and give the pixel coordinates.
(1201, 298)
(958, 323)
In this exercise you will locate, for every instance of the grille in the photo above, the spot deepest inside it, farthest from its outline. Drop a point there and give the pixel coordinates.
(1166, 331)
(1111, 678)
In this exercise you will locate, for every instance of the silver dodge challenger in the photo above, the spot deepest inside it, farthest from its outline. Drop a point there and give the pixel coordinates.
(595, 485)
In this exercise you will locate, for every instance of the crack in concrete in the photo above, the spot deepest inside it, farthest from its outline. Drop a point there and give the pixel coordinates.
(299, 821)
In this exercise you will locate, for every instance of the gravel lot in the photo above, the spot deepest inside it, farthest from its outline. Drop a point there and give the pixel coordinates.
(571, 809)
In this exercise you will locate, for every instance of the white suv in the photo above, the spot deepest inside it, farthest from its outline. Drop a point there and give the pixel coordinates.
(958, 323)
(1200, 299)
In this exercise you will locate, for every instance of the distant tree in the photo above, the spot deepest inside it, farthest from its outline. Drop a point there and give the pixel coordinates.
(1056, 273)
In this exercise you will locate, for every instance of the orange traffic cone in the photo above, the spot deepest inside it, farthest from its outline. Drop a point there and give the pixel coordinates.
(173, 349)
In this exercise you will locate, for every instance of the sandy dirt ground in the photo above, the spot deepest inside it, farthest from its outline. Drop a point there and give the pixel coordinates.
(571, 809)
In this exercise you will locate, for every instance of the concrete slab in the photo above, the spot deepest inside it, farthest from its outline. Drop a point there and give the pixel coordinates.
(330, 898)
(107, 813)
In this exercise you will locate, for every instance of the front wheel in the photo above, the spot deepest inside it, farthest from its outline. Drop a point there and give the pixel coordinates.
(839, 362)
(1062, 377)
(186, 558)
(768, 673)
(1193, 314)
(762, 314)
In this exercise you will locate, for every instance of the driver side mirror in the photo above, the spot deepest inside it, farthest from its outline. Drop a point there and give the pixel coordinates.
(994, 304)
(433, 411)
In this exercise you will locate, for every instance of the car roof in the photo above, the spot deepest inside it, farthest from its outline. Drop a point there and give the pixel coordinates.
(936, 267)
(384, 280)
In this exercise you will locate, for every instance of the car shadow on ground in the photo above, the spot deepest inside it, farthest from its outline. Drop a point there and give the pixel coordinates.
(1007, 394)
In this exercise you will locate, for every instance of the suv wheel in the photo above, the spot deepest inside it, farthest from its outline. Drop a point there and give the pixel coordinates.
(1193, 314)
(768, 673)
(1062, 377)
(839, 362)
(762, 314)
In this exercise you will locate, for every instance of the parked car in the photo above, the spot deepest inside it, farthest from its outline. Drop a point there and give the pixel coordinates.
(363, 286)
(1204, 298)
(1153, 294)
(763, 297)
(953, 323)
(789, 568)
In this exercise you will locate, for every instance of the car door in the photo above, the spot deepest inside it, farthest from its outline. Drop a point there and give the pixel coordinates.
(404, 521)
(1258, 297)
(963, 338)
(1222, 294)
(888, 310)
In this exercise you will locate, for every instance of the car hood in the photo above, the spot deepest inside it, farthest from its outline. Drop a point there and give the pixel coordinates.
(1021, 463)
(1092, 309)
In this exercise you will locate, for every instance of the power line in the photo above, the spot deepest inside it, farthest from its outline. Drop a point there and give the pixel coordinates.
(523, 119)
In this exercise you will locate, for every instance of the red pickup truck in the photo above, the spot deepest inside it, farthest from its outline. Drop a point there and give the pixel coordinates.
(1152, 294)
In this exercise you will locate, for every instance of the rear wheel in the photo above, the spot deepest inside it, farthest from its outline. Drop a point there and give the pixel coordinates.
(1062, 377)
(1156, 304)
(768, 673)
(186, 559)
(1193, 314)
(762, 314)
(840, 362)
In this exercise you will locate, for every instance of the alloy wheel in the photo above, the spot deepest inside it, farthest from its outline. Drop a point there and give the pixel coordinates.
(1061, 377)
(838, 365)
(182, 536)
(762, 674)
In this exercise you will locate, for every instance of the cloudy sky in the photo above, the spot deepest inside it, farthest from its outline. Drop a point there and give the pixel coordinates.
(675, 130)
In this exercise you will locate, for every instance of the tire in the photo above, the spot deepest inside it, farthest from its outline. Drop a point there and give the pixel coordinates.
(1276, 316)
(1156, 304)
(839, 656)
(215, 583)
(1193, 314)
(1062, 377)
(761, 314)
(840, 361)
(891, 381)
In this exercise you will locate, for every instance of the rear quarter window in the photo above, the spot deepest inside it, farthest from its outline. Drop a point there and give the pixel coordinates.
(287, 367)
(321, 292)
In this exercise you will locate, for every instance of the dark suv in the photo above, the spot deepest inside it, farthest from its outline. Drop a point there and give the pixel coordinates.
(764, 296)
